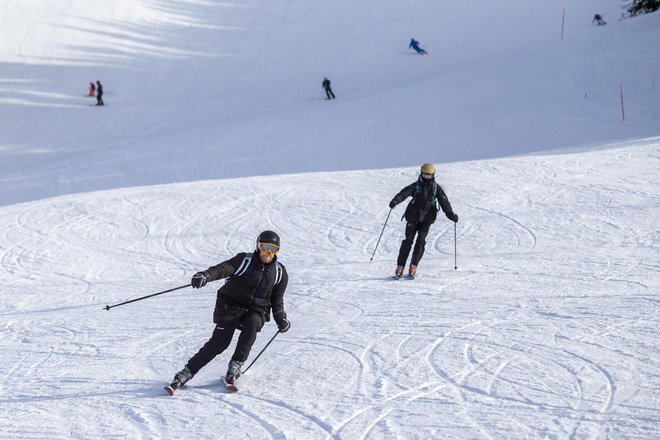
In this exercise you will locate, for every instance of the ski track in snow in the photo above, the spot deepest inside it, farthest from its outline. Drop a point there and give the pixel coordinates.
(548, 329)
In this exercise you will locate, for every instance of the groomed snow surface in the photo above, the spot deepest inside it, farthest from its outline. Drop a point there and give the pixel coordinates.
(215, 129)
(548, 329)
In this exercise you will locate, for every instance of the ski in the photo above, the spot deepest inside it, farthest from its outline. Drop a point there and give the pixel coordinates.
(402, 277)
(230, 386)
(172, 387)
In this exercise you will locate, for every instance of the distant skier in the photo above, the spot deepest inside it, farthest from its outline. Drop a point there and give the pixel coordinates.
(99, 93)
(328, 89)
(598, 19)
(255, 285)
(414, 44)
(92, 89)
(427, 199)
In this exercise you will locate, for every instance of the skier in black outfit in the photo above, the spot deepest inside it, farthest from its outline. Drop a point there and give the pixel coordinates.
(427, 199)
(598, 19)
(328, 89)
(99, 93)
(256, 284)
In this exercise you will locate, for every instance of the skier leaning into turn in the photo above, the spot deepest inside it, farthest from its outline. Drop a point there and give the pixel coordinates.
(420, 214)
(256, 284)
(414, 44)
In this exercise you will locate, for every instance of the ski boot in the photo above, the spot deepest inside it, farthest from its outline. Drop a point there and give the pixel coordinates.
(233, 372)
(398, 272)
(412, 271)
(180, 379)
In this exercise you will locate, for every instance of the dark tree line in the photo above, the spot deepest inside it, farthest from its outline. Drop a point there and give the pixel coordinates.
(638, 7)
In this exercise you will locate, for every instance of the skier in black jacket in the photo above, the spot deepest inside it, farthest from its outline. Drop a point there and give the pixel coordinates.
(427, 199)
(99, 93)
(328, 90)
(256, 284)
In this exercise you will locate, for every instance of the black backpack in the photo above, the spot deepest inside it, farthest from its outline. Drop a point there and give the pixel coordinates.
(246, 263)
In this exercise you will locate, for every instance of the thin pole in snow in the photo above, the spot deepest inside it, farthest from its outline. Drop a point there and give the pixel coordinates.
(563, 16)
(623, 113)
(145, 297)
(381, 234)
(455, 263)
(262, 350)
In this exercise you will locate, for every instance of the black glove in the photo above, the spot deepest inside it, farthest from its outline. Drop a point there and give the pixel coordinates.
(199, 280)
(392, 204)
(453, 217)
(283, 324)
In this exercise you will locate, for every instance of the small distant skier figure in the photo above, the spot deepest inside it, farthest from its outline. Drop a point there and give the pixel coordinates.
(99, 93)
(598, 19)
(328, 89)
(414, 44)
(92, 89)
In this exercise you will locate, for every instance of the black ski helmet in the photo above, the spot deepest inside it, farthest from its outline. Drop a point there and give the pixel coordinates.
(268, 237)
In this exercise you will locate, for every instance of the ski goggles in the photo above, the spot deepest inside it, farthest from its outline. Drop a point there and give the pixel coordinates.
(427, 176)
(268, 248)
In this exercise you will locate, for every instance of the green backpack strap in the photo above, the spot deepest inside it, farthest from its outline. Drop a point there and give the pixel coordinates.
(434, 199)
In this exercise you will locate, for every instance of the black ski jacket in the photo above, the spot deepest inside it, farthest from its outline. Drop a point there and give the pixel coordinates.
(425, 202)
(254, 290)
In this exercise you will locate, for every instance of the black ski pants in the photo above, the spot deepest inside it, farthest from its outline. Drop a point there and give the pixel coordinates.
(421, 230)
(329, 94)
(250, 324)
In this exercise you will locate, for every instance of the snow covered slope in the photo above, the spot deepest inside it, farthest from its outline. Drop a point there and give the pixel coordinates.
(203, 89)
(548, 329)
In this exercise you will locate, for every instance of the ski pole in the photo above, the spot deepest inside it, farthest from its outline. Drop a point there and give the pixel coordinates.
(455, 265)
(381, 234)
(145, 297)
(262, 350)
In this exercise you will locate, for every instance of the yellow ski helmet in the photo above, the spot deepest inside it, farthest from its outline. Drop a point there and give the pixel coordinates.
(428, 168)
